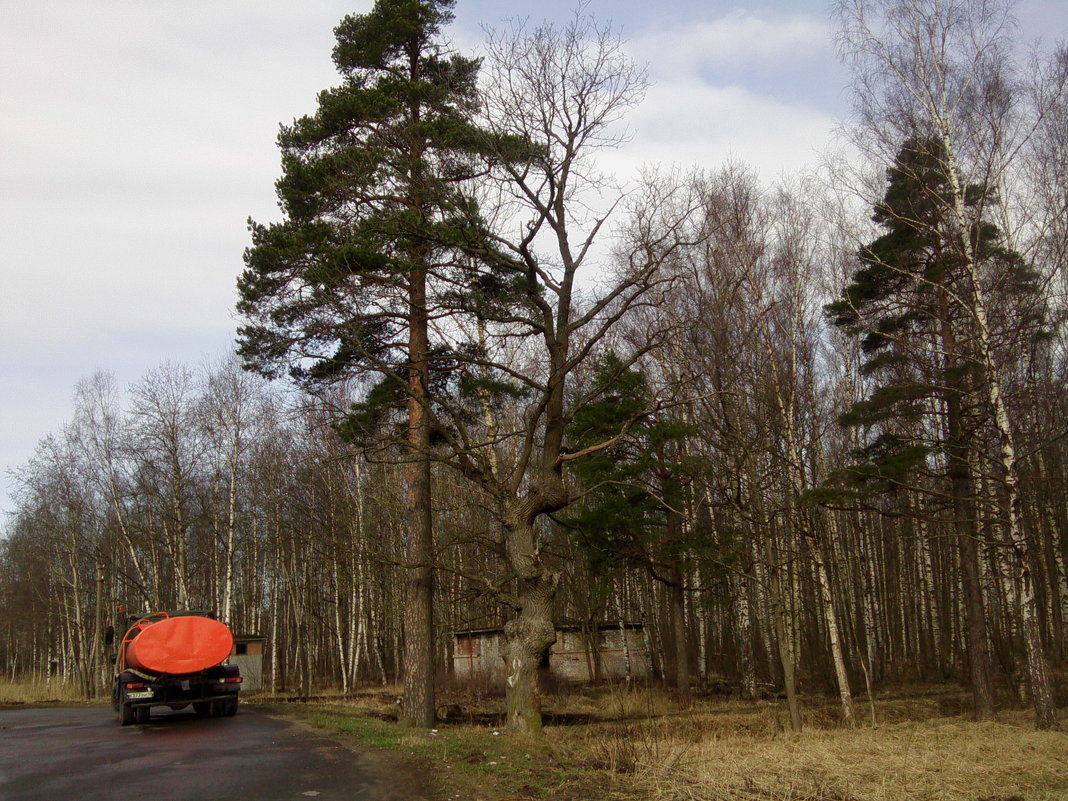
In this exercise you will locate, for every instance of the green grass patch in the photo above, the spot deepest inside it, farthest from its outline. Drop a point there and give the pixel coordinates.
(370, 732)
(476, 763)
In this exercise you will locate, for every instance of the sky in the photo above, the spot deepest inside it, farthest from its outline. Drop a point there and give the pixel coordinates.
(136, 138)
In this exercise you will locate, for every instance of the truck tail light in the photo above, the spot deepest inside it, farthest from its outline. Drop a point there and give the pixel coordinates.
(232, 680)
(135, 685)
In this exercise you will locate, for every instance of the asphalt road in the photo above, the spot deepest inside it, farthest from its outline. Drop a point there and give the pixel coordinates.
(82, 754)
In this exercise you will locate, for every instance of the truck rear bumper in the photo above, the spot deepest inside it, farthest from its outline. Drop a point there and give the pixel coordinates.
(137, 702)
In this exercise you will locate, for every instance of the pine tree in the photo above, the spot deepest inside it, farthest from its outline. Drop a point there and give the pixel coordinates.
(636, 492)
(910, 306)
(375, 215)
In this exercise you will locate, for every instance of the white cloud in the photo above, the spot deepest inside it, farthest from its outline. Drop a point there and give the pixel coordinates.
(717, 95)
(737, 39)
(689, 123)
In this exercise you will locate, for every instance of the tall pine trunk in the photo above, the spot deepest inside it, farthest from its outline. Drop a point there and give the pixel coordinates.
(975, 632)
(677, 595)
(418, 667)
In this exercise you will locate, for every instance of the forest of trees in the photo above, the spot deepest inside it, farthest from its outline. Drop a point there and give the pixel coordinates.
(814, 435)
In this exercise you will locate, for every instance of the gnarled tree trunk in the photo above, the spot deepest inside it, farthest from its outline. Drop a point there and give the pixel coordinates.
(531, 632)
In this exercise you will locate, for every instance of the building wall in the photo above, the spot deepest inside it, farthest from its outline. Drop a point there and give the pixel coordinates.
(478, 653)
(247, 654)
(623, 653)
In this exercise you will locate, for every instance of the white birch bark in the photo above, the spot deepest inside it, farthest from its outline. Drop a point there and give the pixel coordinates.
(1019, 542)
(930, 592)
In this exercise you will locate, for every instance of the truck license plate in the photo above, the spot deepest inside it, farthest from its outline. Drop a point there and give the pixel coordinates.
(185, 686)
(139, 694)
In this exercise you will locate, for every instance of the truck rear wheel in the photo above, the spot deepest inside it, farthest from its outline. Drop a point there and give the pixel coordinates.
(230, 707)
(125, 714)
(202, 708)
(142, 714)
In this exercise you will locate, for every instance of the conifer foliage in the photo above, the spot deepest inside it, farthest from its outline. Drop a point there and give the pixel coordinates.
(373, 201)
(375, 215)
(908, 305)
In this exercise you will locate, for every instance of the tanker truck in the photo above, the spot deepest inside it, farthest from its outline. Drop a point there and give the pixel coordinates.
(174, 659)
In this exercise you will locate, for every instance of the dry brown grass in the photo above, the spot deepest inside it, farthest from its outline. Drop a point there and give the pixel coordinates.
(732, 750)
(929, 761)
(611, 743)
(35, 692)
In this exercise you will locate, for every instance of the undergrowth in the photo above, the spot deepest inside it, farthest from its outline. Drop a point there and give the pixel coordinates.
(30, 691)
(612, 744)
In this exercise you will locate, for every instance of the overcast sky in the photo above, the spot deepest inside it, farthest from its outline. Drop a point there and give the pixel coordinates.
(137, 137)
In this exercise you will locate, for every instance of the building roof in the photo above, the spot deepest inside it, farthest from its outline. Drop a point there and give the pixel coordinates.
(563, 626)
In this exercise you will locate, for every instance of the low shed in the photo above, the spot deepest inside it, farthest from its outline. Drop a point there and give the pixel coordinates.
(620, 647)
(247, 654)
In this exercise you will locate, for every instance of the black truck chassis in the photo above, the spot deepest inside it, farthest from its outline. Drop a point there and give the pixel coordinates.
(211, 692)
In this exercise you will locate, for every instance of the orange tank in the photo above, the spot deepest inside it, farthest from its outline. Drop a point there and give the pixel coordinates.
(176, 645)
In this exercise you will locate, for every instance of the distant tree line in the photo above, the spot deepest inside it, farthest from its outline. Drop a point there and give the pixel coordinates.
(813, 435)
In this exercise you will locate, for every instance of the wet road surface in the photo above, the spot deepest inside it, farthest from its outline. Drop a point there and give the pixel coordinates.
(81, 754)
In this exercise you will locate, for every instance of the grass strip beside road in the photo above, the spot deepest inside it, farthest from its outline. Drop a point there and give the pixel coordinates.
(474, 763)
(611, 746)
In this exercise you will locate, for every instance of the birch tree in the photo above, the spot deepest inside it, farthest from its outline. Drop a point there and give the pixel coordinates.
(169, 453)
